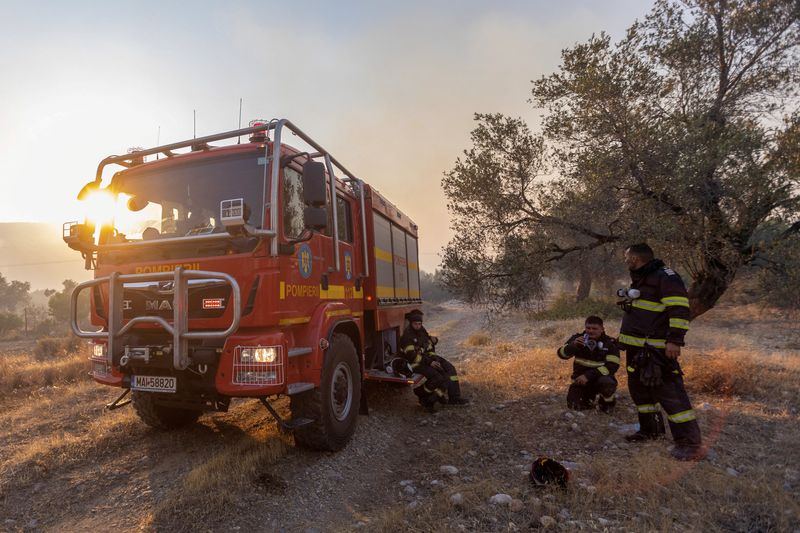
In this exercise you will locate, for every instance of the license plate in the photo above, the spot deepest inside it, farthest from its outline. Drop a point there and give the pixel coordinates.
(154, 383)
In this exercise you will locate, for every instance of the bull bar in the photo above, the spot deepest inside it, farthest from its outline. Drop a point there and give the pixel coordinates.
(179, 329)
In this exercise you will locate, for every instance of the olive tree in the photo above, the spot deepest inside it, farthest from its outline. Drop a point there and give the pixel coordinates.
(683, 134)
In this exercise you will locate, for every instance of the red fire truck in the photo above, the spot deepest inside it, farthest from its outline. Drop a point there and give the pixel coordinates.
(244, 270)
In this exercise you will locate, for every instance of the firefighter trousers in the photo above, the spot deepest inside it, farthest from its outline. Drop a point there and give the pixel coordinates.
(433, 388)
(581, 397)
(670, 396)
(453, 386)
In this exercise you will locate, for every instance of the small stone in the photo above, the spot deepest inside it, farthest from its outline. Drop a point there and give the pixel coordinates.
(547, 521)
(568, 415)
(457, 499)
(406, 482)
(500, 499)
(472, 453)
(516, 506)
(603, 521)
(413, 505)
(563, 514)
(489, 424)
(706, 406)
(591, 489)
(410, 490)
(536, 502)
(575, 427)
(732, 472)
(790, 474)
(449, 470)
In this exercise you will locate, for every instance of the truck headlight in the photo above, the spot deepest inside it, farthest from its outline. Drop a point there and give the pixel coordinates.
(99, 350)
(259, 354)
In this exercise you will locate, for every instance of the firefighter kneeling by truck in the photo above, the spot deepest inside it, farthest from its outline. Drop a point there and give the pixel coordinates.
(440, 385)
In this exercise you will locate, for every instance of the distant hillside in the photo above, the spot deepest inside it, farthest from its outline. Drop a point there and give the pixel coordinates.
(34, 252)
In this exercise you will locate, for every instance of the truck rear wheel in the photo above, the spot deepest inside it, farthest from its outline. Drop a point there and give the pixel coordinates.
(334, 405)
(160, 416)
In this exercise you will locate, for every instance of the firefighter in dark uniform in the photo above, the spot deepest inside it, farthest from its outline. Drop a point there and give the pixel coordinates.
(441, 380)
(596, 361)
(653, 327)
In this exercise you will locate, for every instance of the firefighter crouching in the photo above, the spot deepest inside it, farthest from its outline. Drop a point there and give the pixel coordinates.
(652, 333)
(596, 361)
(441, 381)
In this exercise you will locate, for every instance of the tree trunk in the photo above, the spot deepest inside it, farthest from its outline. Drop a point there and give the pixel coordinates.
(709, 285)
(584, 283)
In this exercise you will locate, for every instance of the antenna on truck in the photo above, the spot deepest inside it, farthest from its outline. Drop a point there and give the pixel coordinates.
(240, 121)
(194, 125)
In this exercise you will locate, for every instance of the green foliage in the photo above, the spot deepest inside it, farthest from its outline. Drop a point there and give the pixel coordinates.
(14, 294)
(9, 322)
(668, 136)
(779, 281)
(59, 302)
(564, 307)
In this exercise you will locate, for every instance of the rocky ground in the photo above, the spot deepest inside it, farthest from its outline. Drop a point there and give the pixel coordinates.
(69, 465)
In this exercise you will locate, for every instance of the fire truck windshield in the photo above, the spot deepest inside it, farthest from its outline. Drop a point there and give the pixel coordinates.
(183, 199)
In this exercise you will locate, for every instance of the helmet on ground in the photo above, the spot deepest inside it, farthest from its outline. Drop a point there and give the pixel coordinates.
(546, 471)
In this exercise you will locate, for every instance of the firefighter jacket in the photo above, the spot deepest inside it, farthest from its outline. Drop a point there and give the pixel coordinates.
(661, 312)
(417, 347)
(602, 361)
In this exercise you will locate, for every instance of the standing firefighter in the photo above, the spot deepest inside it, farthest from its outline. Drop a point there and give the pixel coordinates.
(655, 322)
(441, 381)
(596, 361)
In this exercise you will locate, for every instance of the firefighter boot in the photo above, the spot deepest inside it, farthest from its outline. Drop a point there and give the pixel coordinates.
(651, 426)
(688, 453)
(606, 405)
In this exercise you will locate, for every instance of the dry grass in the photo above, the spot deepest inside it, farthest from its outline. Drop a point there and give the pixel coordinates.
(222, 483)
(747, 408)
(478, 339)
(53, 362)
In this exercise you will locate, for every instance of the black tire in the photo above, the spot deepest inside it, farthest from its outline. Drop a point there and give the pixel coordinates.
(160, 416)
(334, 405)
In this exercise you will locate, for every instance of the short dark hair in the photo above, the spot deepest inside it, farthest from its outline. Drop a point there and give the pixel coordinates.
(594, 320)
(642, 250)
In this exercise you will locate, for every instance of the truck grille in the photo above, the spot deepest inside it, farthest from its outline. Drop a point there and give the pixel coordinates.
(259, 374)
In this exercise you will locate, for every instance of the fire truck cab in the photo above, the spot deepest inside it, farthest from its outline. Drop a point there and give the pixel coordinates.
(244, 270)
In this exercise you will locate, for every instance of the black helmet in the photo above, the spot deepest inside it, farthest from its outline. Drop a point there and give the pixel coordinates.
(400, 367)
(546, 471)
(414, 316)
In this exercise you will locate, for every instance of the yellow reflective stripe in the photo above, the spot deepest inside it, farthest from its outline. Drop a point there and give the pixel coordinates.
(409, 348)
(562, 353)
(609, 398)
(453, 378)
(612, 359)
(417, 359)
(647, 305)
(648, 408)
(630, 340)
(682, 301)
(683, 416)
(631, 369)
(383, 255)
(586, 362)
(339, 312)
(603, 370)
(294, 321)
(680, 323)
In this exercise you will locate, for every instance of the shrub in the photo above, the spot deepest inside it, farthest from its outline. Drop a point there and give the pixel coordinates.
(564, 307)
(478, 339)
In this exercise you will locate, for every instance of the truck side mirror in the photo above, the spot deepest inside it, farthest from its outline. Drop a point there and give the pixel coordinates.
(315, 218)
(315, 192)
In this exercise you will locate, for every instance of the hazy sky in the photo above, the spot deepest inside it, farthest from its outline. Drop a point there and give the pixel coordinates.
(388, 88)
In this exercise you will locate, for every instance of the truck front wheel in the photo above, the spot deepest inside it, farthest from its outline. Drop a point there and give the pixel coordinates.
(334, 405)
(160, 416)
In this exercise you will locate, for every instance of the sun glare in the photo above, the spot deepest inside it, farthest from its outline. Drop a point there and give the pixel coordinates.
(100, 207)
